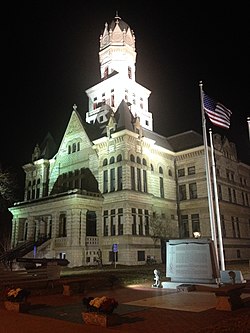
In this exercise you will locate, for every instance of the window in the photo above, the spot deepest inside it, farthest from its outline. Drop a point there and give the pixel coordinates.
(112, 180)
(119, 158)
(181, 172)
(139, 179)
(62, 226)
(133, 221)
(191, 170)
(145, 185)
(184, 228)
(182, 192)
(193, 191)
(140, 255)
(112, 222)
(161, 188)
(120, 221)
(129, 72)
(132, 177)
(105, 223)
(140, 221)
(105, 181)
(195, 222)
(146, 223)
(91, 223)
(223, 226)
(119, 178)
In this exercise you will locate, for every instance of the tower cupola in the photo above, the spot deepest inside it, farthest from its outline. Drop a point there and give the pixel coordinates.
(117, 49)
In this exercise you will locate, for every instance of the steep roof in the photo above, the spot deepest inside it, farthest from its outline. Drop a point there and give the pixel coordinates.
(48, 147)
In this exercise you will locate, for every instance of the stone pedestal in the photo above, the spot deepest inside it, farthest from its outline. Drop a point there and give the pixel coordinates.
(17, 306)
(100, 319)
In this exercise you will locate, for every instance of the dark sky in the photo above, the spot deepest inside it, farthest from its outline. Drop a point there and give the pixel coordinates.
(50, 57)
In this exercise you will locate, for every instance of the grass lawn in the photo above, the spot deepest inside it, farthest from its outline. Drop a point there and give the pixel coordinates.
(134, 274)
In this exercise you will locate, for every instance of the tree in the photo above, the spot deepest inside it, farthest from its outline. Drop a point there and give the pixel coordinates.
(8, 189)
(8, 195)
(161, 229)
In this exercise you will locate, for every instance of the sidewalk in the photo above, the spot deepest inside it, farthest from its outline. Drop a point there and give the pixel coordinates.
(143, 309)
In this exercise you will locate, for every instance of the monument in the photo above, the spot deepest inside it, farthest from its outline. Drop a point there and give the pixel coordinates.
(191, 261)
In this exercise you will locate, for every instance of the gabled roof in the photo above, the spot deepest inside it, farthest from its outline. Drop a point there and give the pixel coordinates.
(124, 117)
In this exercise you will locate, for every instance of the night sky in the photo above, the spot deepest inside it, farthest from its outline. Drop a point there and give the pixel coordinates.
(50, 57)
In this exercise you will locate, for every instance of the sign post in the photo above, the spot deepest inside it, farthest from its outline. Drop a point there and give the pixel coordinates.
(115, 250)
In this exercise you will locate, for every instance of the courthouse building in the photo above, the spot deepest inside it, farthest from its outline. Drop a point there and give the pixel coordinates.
(114, 180)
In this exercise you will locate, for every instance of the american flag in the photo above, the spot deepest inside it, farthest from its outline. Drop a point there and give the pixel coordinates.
(217, 113)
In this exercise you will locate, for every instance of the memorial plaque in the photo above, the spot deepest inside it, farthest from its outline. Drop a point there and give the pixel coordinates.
(191, 260)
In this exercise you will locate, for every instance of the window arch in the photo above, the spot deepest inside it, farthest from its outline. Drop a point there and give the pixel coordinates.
(112, 160)
(144, 162)
(119, 158)
(105, 162)
(160, 170)
(138, 160)
(132, 158)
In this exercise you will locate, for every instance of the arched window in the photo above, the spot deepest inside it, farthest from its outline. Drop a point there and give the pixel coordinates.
(132, 158)
(112, 160)
(119, 158)
(144, 162)
(161, 170)
(105, 162)
(74, 148)
(138, 160)
(151, 167)
(69, 149)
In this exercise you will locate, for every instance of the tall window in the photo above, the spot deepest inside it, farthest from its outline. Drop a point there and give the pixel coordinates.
(105, 223)
(132, 177)
(112, 222)
(145, 182)
(119, 178)
(140, 221)
(112, 180)
(62, 226)
(184, 227)
(146, 223)
(182, 192)
(90, 223)
(133, 221)
(105, 181)
(120, 221)
(195, 222)
(138, 179)
(193, 191)
(161, 182)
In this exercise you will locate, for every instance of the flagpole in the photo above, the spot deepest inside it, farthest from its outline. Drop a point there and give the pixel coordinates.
(222, 260)
(248, 121)
(208, 177)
